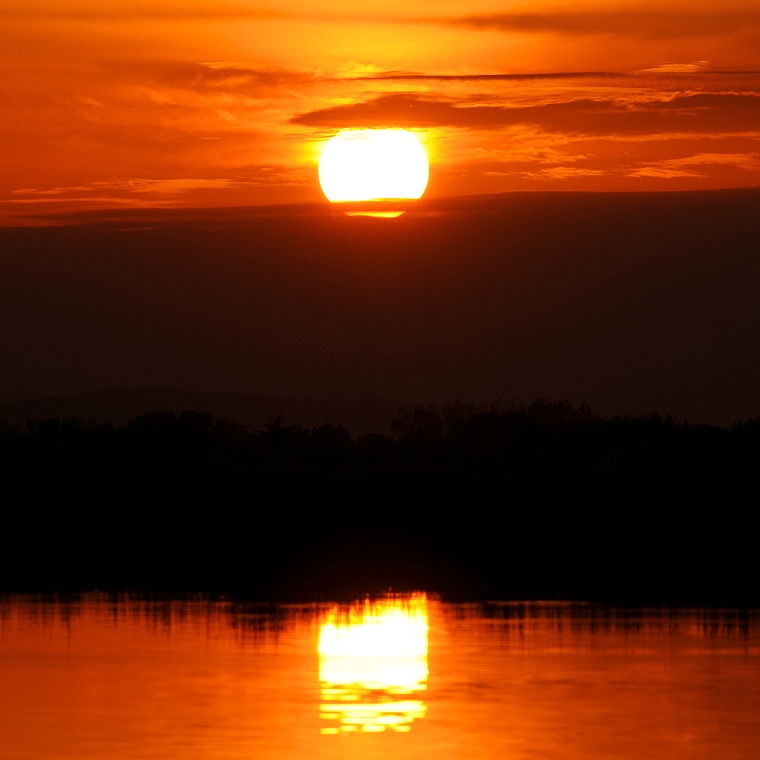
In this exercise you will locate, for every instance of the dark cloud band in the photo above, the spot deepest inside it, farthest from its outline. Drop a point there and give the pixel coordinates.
(681, 113)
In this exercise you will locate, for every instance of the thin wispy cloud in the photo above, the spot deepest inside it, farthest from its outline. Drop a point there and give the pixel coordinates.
(140, 186)
(538, 76)
(663, 23)
(697, 165)
(677, 68)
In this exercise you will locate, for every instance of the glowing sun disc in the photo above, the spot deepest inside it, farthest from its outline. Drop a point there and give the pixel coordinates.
(373, 164)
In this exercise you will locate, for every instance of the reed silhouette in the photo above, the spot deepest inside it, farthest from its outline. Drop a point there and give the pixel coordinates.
(505, 438)
(286, 512)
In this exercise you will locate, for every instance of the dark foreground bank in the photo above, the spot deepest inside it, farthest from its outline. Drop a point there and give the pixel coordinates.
(468, 502)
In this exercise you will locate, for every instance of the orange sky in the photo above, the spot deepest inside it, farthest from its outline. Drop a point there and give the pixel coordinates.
(199, 103)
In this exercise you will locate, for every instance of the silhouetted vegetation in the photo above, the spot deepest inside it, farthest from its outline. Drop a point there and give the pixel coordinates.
(328, 516)
(505, 438)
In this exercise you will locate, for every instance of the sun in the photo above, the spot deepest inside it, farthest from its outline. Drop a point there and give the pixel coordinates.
(373, 165)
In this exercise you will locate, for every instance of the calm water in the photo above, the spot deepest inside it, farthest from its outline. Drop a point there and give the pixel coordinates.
(407, 678)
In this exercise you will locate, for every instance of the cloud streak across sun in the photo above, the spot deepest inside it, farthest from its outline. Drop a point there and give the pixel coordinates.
(208, 104)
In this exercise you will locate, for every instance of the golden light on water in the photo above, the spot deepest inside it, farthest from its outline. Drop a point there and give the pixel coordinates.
(373, 165)
(375, 214)
(108, 678)
(373, 666)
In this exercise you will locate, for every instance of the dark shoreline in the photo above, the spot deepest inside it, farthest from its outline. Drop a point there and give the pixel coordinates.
(464, 439)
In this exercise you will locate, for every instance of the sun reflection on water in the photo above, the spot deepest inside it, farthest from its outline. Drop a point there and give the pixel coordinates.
(376, 214)
(373, 665)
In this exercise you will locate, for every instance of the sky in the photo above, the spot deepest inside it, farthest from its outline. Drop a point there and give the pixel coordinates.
(631, 302)
(138, 121)
(189, 103)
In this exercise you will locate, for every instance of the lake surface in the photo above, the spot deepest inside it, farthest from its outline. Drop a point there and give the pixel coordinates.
(114, 677)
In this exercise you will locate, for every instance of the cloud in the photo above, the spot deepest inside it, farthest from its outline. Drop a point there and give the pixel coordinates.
(742, 160)
(140, 186)
(244, 77)
(663, 172)
(168, 186)
(132, 185)
(650, 24)
(682, 112)
(211, 77)
(229, 74)
(420, 76)
(677, 68)
(625, 22)
(689, 166)
(566, 172)
(132, 201)
(699, 165)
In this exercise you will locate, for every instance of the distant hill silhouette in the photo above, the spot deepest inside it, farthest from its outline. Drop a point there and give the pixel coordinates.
(119, 406)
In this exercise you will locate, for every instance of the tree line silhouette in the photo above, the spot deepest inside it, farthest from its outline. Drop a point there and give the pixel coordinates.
(322, 515)
(504, 438)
